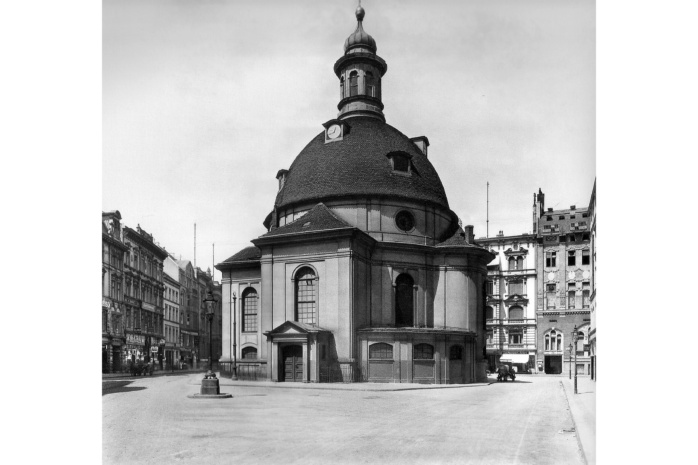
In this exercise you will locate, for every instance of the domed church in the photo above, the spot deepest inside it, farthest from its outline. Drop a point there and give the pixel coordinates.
(364, 273)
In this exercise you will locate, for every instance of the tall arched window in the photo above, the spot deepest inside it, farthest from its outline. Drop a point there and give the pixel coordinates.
(404, 300)
(519, 263)
(370, 84)
(553, 340)
(306, 295)
(341, 87)
(353, 83)
(249, 309)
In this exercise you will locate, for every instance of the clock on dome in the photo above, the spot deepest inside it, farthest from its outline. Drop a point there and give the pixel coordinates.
(335, 130)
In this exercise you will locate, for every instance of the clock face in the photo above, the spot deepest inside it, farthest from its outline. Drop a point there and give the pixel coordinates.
(333, 131)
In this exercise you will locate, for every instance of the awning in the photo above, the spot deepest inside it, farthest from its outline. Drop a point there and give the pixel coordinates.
(514, 358)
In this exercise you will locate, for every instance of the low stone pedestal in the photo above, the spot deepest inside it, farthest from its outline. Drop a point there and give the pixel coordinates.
(210, 389)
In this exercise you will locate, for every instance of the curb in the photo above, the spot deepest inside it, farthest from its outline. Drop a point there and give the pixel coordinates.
(574, 423)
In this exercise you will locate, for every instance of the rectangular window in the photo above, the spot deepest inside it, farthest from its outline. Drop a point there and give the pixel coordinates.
(515, 337)
(550, 294)
(585, 257)
(490, 336)
(551, 259)
(585, 295)
(489, 286)
(571, 258)
(516, 287)
(571, 292)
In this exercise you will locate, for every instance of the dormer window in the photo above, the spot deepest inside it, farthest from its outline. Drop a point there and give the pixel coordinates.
(400, 162)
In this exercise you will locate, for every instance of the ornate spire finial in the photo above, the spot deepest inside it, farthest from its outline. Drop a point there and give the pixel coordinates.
(360, 12)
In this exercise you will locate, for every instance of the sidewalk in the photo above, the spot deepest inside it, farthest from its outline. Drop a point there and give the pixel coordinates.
(155, 373)
(583, 410)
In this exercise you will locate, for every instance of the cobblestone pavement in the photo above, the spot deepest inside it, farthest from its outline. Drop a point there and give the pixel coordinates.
(151, 421)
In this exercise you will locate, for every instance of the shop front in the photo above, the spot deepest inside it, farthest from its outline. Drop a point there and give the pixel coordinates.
(134, 349)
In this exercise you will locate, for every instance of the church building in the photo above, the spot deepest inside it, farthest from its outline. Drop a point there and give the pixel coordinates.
(364, 273)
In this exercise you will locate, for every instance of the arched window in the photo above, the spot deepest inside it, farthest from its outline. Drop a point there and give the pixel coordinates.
(553, 340)
(370, 84)
(249, 310)
(456, 353)
(519, 263)
(306, 295)
(353, 83)
(489, 313)
(380, 351)
(512, 263)
(341, 87)
(249, 353)
(559, 342)
(547, 342)
(423, 352)
(516, 313)
(404, 300)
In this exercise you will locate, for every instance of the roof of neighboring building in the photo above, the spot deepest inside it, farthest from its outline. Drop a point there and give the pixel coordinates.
(319, 218)
(250, 253)
(458, 240)
(358, 165)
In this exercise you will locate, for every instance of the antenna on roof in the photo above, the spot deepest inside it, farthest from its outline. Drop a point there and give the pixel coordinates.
(488, 209)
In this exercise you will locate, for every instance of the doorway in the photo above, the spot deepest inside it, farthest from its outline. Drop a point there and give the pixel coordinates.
(553, 364)
(292, 357)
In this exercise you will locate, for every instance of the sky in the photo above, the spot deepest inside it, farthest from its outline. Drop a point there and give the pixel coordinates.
(204, 101)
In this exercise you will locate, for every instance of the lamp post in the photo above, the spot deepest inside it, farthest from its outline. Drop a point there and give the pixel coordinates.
(234, 376)
(210, 386)
(576, 339)
(569, 360)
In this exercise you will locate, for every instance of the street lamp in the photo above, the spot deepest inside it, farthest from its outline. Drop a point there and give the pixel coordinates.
(575, 337)
(234, 377)
(569, 360)
(210, 386)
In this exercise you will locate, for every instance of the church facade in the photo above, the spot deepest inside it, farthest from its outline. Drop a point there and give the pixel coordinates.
(364, 273)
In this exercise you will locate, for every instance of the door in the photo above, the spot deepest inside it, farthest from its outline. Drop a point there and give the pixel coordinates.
(553, 364)
(293, 363)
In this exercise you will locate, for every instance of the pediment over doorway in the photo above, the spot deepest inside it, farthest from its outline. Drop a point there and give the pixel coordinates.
(295, 328)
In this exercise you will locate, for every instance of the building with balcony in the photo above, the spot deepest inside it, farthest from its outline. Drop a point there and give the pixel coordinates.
(172, 313)
(364, 272)
(563, 268)
(206, 284)
(143, 297)
(510, 305)
(113, 255)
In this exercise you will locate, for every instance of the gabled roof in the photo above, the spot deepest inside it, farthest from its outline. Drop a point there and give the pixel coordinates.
(319, 218)
(302, 328)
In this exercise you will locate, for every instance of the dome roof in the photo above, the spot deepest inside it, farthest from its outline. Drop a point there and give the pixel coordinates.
(360, 38)
(358, 165)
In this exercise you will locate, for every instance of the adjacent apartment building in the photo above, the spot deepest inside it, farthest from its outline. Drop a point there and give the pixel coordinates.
(510, 306)
(563, 268)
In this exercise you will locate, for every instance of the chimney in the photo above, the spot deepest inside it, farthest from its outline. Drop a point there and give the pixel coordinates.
(550, 209)
(422, 143)
(281, 176)
(469, 234)
(501, 233)
(572, 207)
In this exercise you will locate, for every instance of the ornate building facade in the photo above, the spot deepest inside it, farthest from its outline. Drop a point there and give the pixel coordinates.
(510, 308)
(189, 308)
(143, 297)
(113, 255)
(592, 298)
(563, 267)
(364, 273)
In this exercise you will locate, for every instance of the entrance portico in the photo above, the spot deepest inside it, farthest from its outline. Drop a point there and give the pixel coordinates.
(296, 351)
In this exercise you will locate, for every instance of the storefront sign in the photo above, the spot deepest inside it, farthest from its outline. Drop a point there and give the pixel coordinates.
(131, 300)
(149, 307)
(138, 339)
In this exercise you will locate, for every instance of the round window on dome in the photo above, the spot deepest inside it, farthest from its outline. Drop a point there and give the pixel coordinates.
(404, 220)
